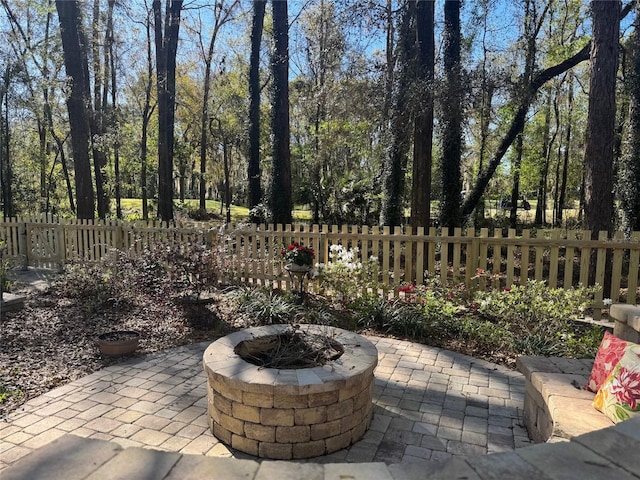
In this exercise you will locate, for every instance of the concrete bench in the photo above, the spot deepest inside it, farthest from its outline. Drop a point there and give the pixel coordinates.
(627, 318)
(556, 405)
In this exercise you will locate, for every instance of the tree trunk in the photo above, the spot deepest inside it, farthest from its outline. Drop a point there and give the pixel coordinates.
(221, 16)
(541, 207)
(97, 117)
(450, 215)
(598, 209)
(629, 181)
(75, 59)
(281, 194)
(392, 212)
(253, 169)
(166, 48)
(423, 129)
(146, 118)
(6, 173)
(565, 158)
(515, 190)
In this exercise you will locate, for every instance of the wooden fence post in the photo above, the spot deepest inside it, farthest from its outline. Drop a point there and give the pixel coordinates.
(23, 250)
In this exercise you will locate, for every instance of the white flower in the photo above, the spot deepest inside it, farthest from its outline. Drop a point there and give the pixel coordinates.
(607, 301)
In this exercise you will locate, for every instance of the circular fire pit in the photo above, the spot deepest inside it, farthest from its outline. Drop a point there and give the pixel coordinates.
(285, 413)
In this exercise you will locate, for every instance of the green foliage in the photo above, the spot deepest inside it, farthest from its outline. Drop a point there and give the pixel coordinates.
(528, 320)
(7, 392)
(395, 318)
(538, 318)
(345, 278)
(264, 306)
(534, 308)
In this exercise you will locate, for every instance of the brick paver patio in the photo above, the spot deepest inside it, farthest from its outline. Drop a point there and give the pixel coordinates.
(430, 404)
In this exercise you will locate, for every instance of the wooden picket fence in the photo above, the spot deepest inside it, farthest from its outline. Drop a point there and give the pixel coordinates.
(250, 253)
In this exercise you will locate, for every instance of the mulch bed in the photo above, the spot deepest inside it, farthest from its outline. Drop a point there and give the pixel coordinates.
(52, 341)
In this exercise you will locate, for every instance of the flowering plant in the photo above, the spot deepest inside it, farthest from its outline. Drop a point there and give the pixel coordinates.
(298, 254)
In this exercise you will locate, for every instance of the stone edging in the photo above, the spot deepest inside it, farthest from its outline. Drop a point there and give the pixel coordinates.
(556, 406)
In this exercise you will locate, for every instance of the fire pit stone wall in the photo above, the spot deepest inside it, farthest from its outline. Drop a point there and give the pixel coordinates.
(290, 413)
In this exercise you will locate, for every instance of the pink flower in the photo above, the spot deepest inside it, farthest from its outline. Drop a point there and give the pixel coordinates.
(450, 294)
(626, 387)
(475, 305)
(479, 271)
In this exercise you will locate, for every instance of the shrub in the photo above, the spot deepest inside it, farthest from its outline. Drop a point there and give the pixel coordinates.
(344, 278)
(539, 318)
(534, 308)
(264, 306)
(166, 271)
(192, 268)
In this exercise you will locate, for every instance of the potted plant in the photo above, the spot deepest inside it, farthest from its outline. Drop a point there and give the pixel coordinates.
(298, 257)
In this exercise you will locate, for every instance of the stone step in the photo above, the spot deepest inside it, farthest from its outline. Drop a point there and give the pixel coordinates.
(67, 458)
(608, 453)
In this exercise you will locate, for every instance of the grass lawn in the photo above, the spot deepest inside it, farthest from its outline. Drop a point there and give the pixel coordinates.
(132, 210)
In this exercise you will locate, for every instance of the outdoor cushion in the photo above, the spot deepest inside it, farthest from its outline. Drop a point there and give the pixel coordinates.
(619, 395)
(609, 354)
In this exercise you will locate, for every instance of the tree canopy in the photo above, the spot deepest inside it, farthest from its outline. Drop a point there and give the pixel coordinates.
(397, 112)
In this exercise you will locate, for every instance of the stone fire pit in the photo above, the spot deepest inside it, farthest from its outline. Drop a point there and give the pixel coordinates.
(290, 413)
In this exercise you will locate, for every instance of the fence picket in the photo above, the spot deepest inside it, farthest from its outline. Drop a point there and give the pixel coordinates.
(616, 269)
(553, 260)
(634, 271)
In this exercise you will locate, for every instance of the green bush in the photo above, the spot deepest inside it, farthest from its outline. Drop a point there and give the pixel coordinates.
(534, 308)
(264, 306)
(539, 318)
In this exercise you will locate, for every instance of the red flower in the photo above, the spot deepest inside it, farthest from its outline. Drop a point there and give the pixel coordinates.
(291, 247)
(450, 294)
(507, 289)
(407, 288)
(626, 387)
(474, 305)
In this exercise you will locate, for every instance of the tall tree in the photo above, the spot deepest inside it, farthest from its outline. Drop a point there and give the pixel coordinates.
(395, 161)
(629, 171)
(451, 117)
(6, 174)
(562, 193)
(281, 192)
(74, 45)
(221, 15)
(253, 169)
(598, 155)
(166, 42)
(423, 129)
(532, 25)
(147, 111)
(97, 119)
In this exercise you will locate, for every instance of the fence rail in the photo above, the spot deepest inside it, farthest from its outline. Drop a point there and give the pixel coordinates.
(250, 252)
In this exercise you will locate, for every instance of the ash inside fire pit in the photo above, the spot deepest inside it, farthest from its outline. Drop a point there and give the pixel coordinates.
(291, 349)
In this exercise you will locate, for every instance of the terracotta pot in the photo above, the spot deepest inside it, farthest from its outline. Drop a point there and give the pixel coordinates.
(118, 342)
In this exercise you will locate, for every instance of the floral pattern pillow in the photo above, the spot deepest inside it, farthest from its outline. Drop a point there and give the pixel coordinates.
(609, 354)
(619, 396)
